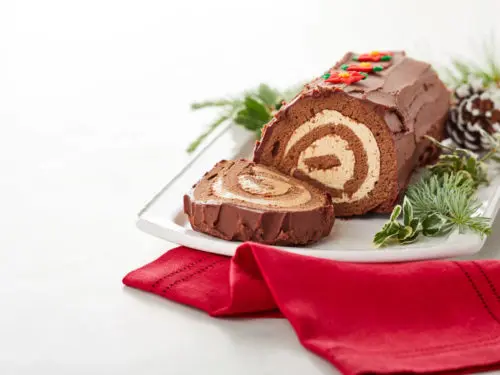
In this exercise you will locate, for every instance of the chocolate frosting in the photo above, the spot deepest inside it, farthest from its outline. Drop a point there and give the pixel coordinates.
(399, 89)
(239, 200)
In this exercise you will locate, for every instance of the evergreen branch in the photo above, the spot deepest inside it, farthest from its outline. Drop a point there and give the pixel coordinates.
(462, 70)
(194, 145)
(461, 160)
(438, 205)
(428, 195)
(268, 95)
(252, 110)
(213, 103)
(461, 211)
(444, 199)
(449, 76)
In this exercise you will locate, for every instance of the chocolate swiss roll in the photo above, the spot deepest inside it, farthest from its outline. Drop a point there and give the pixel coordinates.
(358, 132)
(240, 200)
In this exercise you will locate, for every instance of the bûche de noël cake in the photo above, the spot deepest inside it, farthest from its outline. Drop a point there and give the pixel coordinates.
(358, 132)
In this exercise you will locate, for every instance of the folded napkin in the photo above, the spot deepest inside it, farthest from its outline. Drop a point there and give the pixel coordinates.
(421, 317)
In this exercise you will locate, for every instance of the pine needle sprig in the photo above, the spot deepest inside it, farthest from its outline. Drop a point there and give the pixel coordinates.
(427, 194)
(462, 70)
(462, 211)
(215, 103)
(444, 198)
(493, 67)
(214, 125)
(439, 193)
(439, 205)
(252, 110)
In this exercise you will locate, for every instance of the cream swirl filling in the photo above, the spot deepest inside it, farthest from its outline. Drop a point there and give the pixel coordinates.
(263, 185)
(265, 188)
(337, 176)
(334, 177)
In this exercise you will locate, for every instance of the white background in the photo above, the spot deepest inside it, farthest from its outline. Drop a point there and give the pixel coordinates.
(94, 118)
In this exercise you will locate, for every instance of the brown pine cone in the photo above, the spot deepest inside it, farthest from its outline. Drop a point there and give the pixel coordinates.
(475, 108)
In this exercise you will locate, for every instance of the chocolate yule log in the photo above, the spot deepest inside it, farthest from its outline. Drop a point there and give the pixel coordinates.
(358, 132)
(240, 200)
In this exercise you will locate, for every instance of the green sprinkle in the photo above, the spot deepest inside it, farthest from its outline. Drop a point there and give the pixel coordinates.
(344, 66)
(355, 58)
(364, 74)
(378, 68)
(326, 75)
(386, 58)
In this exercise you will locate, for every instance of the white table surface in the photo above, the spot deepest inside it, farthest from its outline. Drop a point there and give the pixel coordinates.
(94, 119)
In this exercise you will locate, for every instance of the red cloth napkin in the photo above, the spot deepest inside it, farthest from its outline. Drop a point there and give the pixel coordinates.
(422, 317)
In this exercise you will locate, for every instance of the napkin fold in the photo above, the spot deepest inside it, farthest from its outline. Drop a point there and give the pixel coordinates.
(420, 317)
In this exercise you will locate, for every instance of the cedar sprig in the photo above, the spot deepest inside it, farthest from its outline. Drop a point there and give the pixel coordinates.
(252, 110)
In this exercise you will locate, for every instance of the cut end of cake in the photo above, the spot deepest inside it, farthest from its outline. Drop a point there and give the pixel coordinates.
(243, 201)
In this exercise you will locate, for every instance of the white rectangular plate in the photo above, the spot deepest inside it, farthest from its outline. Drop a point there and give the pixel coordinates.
(350, 240)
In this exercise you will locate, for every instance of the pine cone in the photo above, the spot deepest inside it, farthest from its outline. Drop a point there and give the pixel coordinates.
(476, 107)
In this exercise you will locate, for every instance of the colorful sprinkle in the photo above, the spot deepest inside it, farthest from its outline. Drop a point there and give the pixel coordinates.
(345, 77)
(362, 67)
(374, 56)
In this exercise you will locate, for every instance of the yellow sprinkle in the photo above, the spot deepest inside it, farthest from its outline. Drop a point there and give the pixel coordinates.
(365, 64)
(374, 53)
(344, 75)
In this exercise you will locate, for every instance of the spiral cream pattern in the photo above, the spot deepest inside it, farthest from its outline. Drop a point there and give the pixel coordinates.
(323, 150)
(260, 186)
(239, 200)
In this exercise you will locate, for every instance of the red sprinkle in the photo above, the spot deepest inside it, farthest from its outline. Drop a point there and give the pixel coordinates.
(374, 56)
(362, 67)
(345, 77)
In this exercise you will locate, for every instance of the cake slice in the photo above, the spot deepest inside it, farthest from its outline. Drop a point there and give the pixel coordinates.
(239, 200)
(358, 132)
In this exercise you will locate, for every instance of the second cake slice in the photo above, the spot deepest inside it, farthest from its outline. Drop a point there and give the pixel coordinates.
(244, 201)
